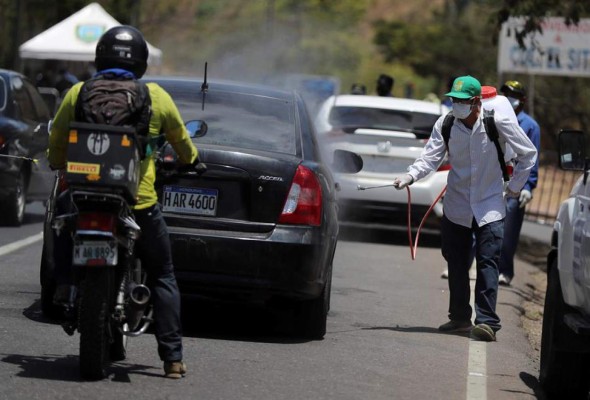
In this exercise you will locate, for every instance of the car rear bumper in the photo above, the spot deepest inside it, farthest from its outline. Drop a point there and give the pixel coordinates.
(289, 262)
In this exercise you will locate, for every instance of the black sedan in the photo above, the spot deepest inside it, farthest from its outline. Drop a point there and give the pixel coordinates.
(23, 138)
(260, 223)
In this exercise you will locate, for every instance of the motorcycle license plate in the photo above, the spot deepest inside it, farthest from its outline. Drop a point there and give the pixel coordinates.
(187, 200)
(95, 253)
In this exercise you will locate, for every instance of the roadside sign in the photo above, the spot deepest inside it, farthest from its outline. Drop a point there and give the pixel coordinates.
(559, 50)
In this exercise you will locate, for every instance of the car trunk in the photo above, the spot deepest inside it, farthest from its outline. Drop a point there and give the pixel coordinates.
(244, 191)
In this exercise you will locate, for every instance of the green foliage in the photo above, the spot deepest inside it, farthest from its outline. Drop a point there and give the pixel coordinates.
(434, 50)
(535, 10)
(253, 39)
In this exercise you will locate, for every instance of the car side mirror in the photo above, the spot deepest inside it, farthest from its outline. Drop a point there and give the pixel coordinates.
(572, 154)
(572, 151)
(196, 128)
(346, 162)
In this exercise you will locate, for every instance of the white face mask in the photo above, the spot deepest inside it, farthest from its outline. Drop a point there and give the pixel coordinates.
(514, 102)
(461, 110)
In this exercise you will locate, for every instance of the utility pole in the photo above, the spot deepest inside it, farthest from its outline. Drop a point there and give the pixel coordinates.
(270, 17)
(135, 7)
(17, 34)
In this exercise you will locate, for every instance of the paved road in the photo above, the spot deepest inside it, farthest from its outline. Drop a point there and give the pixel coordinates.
(382, 341)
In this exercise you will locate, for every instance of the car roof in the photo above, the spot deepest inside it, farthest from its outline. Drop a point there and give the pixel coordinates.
(222, 85)
(10, 72)
(393, 103)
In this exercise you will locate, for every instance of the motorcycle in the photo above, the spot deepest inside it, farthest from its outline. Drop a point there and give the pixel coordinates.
(109, 300)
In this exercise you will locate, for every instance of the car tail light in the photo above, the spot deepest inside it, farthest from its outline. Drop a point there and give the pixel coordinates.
(304, 201)
(96, 221)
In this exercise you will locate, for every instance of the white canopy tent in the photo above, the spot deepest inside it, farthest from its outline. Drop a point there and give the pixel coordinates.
(75, 38)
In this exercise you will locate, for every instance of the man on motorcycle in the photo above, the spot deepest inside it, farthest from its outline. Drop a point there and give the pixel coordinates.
(122, 53)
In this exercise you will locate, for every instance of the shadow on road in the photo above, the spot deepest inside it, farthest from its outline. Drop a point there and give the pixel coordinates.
(533, 383)
(397, 236)
(66, 368)
(34, 313)
(251, 322)
(48, 367)
(415, 329)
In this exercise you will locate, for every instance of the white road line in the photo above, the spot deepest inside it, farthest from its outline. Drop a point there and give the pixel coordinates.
(9, 248)
(476, 367)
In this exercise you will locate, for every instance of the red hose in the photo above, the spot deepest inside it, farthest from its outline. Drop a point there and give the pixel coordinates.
(414, 248)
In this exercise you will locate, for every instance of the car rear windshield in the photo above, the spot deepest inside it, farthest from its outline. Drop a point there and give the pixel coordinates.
(378, 118)
(241, 120)
(3, 92)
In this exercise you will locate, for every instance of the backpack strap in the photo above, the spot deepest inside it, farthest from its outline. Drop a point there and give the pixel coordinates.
(446, 128)
(492, 132)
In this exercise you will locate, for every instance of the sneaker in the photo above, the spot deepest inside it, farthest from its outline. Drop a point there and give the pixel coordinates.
(456, 326)
(483, 332)
(504, 280)
(174, 369)
(445, 274)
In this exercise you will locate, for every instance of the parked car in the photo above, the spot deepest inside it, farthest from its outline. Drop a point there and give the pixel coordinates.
(261, 222)
(565, 340)
(23, 137)
(389, 134)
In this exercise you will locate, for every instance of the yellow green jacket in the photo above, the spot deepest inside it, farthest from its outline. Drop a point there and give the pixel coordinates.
(165, 118)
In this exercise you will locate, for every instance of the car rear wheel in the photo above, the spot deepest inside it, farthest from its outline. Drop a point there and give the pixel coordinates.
(14, 205)
(312, 315)
(563, 372)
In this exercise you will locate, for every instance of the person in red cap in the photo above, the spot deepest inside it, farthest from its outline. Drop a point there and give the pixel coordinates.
(515, 208)
(474, 203)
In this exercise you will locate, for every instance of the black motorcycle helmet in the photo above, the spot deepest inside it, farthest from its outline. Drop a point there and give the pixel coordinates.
(122, 47)
(513, 88)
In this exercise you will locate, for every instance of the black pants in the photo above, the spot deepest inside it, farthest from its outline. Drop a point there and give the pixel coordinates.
(154, 251)
(457, 242)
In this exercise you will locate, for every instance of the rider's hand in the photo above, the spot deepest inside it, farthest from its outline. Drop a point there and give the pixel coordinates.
(525, 197)
(401, 182)
(199, 166)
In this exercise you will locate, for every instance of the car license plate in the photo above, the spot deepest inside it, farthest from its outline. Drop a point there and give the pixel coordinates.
(95, 253)
(197, 201)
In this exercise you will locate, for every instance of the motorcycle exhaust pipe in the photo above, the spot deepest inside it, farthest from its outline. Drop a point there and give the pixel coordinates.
(139, 298)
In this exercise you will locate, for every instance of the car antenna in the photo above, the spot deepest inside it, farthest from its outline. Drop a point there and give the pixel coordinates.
(204, 88)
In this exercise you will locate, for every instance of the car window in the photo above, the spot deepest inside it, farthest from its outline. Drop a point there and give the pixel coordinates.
(3, 92)
(378, 118)
(24, 104)
(41, 109)
(242, 120)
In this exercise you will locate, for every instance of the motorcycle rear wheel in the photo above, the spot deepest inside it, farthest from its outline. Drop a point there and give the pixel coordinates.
(94, 324)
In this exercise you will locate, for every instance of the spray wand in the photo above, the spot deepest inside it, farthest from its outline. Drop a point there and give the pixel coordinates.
(34, 160)
(413, 246)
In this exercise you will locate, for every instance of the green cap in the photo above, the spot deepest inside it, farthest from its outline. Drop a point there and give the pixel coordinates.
(465, 87)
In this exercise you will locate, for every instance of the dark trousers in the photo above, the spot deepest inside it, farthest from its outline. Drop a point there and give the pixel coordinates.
(154, 251)
(456, 248)
(512, 226)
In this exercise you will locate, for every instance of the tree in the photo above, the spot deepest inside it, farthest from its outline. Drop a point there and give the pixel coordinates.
(535, 10)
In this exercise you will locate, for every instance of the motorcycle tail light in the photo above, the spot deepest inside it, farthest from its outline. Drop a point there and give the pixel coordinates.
(96, 221)
(304, 201)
